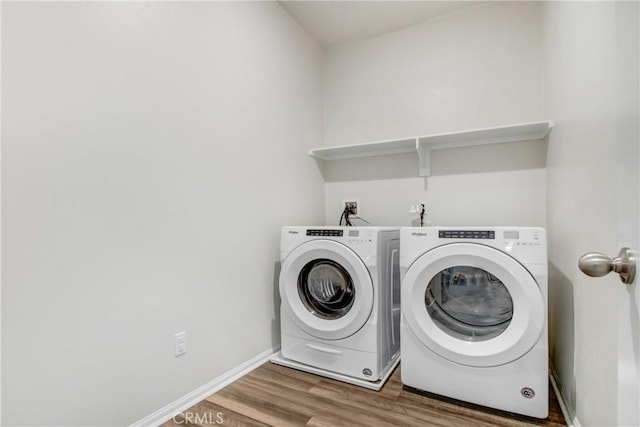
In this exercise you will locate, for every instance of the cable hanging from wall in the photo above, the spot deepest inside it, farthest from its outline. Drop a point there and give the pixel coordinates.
(346, 216)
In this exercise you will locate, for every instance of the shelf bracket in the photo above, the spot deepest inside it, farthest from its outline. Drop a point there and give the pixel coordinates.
(424, 159)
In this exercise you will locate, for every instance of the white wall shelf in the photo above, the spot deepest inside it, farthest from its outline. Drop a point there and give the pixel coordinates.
(367, 149)
(423, 145)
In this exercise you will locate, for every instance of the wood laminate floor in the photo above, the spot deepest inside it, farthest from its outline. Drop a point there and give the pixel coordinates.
(273, 395)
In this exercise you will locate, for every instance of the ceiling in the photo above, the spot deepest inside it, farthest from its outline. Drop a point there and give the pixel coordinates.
(336, 22)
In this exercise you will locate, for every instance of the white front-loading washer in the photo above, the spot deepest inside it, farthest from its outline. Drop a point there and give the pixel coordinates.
(340, 302)
(474, 315)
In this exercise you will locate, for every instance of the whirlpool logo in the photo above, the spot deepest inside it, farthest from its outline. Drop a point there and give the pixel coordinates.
(419, 234)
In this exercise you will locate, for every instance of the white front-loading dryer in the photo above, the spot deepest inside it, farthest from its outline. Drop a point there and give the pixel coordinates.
(340, 300)
(474, 315)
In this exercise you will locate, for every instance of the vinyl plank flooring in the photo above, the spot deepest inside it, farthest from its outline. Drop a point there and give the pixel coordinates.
(255, 398)
(314, 405)
(280, 375)
(274, 395)
(405, 414)
(262, 411)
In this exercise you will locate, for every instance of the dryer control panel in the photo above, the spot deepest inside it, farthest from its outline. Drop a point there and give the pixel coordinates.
(527, 244)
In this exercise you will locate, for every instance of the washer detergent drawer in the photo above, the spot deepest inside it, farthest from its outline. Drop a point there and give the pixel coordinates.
(345, 361)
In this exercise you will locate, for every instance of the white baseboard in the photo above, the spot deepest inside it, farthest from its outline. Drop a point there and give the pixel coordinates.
(569, 417)
(188, 400)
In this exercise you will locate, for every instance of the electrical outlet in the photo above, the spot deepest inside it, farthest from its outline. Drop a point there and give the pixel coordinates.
(180, 343)
(353, 205)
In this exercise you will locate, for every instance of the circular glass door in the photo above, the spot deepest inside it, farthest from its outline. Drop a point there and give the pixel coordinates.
(468, 303)
(472, 304)
(326, 289)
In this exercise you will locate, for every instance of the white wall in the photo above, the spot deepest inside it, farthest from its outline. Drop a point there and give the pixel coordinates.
(478, 68)
(150, 154)
(587, 85)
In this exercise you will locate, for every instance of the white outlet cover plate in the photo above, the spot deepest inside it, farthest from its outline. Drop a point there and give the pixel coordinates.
(180, 342)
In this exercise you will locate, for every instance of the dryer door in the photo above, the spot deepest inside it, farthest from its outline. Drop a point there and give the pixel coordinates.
(473, 304)
(327, 289)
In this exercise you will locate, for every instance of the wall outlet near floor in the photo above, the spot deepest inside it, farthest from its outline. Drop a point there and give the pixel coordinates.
(353, 205)
(180, 343)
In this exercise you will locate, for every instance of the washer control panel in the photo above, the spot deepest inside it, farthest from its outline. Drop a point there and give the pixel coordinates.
(342, 235)
(325, 233)
(467, 234)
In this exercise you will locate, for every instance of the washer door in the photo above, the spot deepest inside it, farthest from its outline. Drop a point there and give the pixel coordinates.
(327, 288)
(472, 304)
